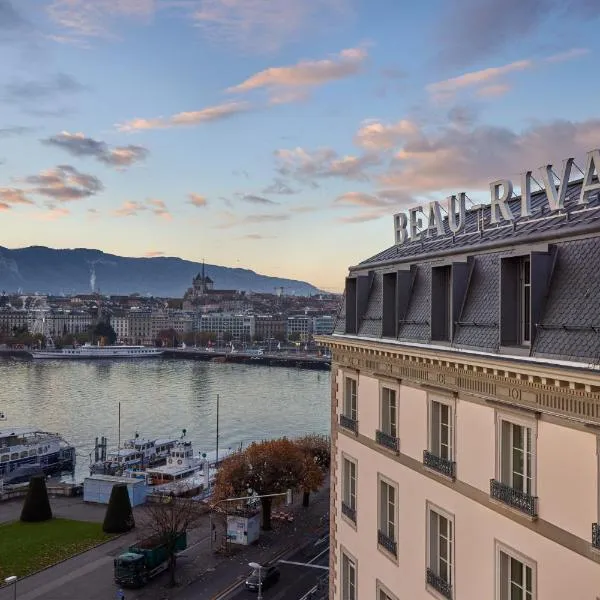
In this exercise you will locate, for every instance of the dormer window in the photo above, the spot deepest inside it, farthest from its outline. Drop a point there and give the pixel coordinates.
(525, 300)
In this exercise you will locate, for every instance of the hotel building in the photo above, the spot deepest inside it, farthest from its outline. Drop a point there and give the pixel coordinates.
(466, 408)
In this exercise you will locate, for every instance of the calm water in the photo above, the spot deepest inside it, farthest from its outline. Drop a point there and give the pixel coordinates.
(160, 397)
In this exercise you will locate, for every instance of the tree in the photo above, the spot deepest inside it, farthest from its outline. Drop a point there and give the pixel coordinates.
(119, 516)
(37, 505)
(168, 519)
(316, 458)
(168, 338)
(269, 467)
(104, 330)
(294, 336)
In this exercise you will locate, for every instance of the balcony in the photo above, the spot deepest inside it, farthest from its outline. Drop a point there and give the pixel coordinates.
(349, 423)
(441, 465)
(387, 542)
(385, 439)
(349, 512)
(439, 584)
(596, 535)
(514, 498)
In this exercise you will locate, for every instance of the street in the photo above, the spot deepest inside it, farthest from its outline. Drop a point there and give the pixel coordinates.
(296, 579)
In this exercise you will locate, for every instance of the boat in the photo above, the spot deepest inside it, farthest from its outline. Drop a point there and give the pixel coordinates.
(89, 351)
(27, 447)
(136, 453)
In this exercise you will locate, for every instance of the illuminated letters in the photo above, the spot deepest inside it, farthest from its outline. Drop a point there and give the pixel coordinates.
(498, 201)
(400, 223)
(556, 200)
(592, 164)
(415, 223)
(434, 218)
(457, 225)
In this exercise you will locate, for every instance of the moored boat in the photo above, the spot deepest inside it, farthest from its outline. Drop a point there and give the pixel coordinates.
(89, 351)
(25, 447)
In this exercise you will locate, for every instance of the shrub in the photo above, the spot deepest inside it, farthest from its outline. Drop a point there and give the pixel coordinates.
(36, 506)
(119, 515)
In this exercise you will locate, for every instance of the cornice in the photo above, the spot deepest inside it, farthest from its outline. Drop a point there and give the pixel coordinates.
(572, 394)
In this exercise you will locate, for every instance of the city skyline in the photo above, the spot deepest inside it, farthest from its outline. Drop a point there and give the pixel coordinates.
(268, 135)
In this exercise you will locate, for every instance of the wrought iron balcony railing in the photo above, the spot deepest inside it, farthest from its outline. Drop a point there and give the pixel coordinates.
(349, 423)
(349, 512)
(387, 542)
(515, 498)
(439, 584)
(596, 535)
(439, 464)
(387, 440)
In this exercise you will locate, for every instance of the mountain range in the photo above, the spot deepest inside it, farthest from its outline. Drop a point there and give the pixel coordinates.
(80, 270)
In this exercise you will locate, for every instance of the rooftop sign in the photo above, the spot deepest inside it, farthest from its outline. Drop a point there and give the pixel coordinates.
(409, 225)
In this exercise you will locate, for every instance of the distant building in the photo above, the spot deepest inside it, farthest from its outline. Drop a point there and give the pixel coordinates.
(300, 327)
(323, 325)
(240, 327)
(269, 327)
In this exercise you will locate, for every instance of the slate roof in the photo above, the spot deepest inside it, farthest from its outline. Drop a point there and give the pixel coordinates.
(569, 328)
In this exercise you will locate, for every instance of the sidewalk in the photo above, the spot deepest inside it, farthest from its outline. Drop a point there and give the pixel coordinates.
(203, 574)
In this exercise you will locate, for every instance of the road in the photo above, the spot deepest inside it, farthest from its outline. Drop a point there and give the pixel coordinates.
(296, 580)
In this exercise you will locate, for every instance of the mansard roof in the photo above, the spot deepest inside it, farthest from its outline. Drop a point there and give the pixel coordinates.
(567, 325)
(542, 225)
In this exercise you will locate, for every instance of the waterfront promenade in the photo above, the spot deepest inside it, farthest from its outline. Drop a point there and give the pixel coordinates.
(201, 573)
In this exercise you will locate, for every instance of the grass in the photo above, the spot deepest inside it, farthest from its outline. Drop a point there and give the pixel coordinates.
(29, 547)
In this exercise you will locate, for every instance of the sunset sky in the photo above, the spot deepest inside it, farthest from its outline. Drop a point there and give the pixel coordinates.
(277, 135)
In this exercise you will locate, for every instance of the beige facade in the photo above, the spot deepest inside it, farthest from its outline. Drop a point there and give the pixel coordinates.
(462, 477)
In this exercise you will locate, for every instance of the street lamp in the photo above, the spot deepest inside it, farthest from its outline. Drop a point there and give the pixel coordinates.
(258, 567)
(12, 579)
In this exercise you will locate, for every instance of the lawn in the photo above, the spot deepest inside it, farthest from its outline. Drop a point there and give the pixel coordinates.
(28, 547)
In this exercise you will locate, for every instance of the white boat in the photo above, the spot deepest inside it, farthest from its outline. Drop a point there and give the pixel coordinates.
(88, 351)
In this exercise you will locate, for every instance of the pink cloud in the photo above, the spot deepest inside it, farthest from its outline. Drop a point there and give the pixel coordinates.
(197, 200)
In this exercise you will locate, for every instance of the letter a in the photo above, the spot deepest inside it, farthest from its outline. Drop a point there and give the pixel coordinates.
(592, 164)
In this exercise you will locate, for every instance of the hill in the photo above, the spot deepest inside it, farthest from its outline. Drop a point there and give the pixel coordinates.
(72, 271)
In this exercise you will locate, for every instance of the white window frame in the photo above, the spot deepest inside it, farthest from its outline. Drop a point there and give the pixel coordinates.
(394, 387)
(521, 421)
(440, 512)
(382, 479)
(383, 589)
(346, 402)
(345, 492)
(451, 404)
(345, 585)
(501, 548)
(524, 332)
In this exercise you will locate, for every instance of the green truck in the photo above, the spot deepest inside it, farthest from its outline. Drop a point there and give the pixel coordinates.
(144, 560)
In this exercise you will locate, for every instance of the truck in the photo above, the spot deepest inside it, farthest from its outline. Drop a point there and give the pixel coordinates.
(145, 559)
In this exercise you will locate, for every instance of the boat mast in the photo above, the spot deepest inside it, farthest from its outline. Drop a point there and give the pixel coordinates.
(119, 426)
(217, 452)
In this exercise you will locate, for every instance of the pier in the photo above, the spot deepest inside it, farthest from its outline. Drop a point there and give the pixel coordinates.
(299, 360)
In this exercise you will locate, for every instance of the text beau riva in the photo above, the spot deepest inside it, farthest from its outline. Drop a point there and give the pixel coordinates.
(409, 226)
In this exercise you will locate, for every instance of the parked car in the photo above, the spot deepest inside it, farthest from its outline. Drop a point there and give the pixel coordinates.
(269, 575)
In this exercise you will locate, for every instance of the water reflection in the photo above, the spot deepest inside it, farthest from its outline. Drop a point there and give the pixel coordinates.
(161, 397)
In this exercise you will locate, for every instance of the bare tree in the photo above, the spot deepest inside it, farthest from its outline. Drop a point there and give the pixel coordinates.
(167, 519)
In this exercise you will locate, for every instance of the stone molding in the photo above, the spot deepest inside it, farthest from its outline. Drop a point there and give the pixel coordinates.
(569, 393)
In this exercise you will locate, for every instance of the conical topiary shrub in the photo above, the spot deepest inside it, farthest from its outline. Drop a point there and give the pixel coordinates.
(119, 516)
(36, 506)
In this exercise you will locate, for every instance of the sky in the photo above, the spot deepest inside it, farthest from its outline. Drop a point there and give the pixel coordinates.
(278, 135)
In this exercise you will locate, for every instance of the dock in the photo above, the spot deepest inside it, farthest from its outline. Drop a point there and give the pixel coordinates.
(299, 360)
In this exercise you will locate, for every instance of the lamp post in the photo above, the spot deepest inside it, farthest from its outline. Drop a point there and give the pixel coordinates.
(12, 579)
(258, 567)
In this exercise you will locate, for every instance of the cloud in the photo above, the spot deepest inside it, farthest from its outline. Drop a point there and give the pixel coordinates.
(363, 217)
(323, 163)
(494, 91)
(374, 135)
(288, 96)
(11, 21)
(153, 253)
(32, 92)
(360, 199)
(279, 187)
(13, 131)
(468, 159)
(267, 25)
(53, 213)
(303, 209)
(228, 219)
(568, 55)
(476, 78)
(64, 184)
(133, 208)
(257, 199)
(187, 119)
(266, 218)
(279, 81)
(159, 208)
(256, 236)
(470, 30)
(79, 19)
(77, 144)
(197, 200)
(12, 196)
